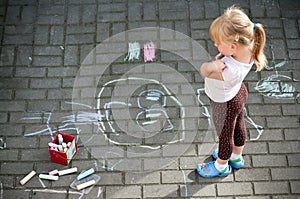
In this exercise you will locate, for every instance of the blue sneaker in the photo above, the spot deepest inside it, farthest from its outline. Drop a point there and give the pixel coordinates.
(236, 164)
(208, 170)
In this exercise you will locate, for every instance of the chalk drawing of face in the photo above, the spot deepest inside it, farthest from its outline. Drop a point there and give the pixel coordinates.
(138, 118)
(277, 86)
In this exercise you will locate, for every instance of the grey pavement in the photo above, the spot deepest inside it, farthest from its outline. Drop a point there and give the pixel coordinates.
(142, 126)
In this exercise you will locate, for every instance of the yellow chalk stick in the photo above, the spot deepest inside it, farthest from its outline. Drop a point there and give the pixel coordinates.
(27, 177)
(86, 184)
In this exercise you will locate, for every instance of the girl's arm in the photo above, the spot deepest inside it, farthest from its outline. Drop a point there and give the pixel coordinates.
(213, 70)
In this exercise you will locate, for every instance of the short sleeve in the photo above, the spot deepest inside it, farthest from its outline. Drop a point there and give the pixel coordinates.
(231, 73)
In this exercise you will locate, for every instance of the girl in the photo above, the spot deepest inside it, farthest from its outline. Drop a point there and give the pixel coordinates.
(240, 43)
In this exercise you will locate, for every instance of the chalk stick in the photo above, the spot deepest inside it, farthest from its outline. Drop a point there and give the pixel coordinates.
(85, 174)
(64, 145)
(60, 139)
(54, 172)
(48, 177)
(60, 148)
(52, 145)
(67, 171)
(27, 177)
(86, 184)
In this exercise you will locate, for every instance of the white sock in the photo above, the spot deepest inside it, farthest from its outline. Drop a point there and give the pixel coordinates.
(235, 156)
(220, 167)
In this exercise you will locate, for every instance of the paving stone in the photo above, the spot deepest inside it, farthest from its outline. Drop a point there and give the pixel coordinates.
(62, 72)
(268, 135)
(252, 175)
(160, 191)
(12, 105)
(264, 110)
(61, 93)
(293, 160)
(211, 10)
(47, 61)
(56, 35)
(142, 178)
(45, 83)
(119, 192)
(282, 122)
(21, 142)
(7, 56)
(70, 57)
(291, 134)
(271, 187)
(149, 11)
(111, 178)
(290, 28)
(3, 117)
(6, 71)
(89, 13)
(256, 148)
(15, 194)
(134, 11)
(236, 188)
(17, 39)
(269, 161)
(284, 147)
(285, 173)
(42, 105)
(41, 35)
(14, 168)
(73, 16)
(30, 94)
(5, 94)
(204, 190)
(60, 194)
(30, 72)
(12, 155)
(45, 20)
(35, 154)
(295, 187)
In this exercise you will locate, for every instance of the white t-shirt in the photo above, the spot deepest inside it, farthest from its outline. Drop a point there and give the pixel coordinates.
(233, 75)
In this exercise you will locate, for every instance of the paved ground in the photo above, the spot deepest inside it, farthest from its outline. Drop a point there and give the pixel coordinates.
(59, 73)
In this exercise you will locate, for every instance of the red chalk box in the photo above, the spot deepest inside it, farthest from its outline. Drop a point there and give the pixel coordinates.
(63, 158)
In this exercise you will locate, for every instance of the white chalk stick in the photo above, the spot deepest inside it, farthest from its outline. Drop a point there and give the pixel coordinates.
(52, 145)
(48, 177)
(86, 184)
(27, 177)
(67, 171)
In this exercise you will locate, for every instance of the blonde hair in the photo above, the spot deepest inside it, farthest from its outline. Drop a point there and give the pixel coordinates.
(235, 26)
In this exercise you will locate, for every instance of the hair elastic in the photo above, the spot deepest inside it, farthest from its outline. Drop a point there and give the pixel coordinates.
(254, 26)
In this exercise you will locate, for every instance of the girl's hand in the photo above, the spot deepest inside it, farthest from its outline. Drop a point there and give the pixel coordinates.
(218, 65)
(213, 69)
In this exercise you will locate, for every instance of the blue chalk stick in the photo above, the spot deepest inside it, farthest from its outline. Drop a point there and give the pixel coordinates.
(85, 174)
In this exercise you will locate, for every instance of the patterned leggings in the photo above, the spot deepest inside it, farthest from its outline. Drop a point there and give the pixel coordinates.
(229, 122)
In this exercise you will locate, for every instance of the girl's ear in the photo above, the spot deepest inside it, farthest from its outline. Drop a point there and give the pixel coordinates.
(233, 46)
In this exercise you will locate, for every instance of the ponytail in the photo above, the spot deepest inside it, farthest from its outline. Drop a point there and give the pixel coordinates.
(258, 47)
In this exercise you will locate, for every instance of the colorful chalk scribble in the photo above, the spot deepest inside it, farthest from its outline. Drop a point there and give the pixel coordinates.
(149, 52)
(133, 51)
